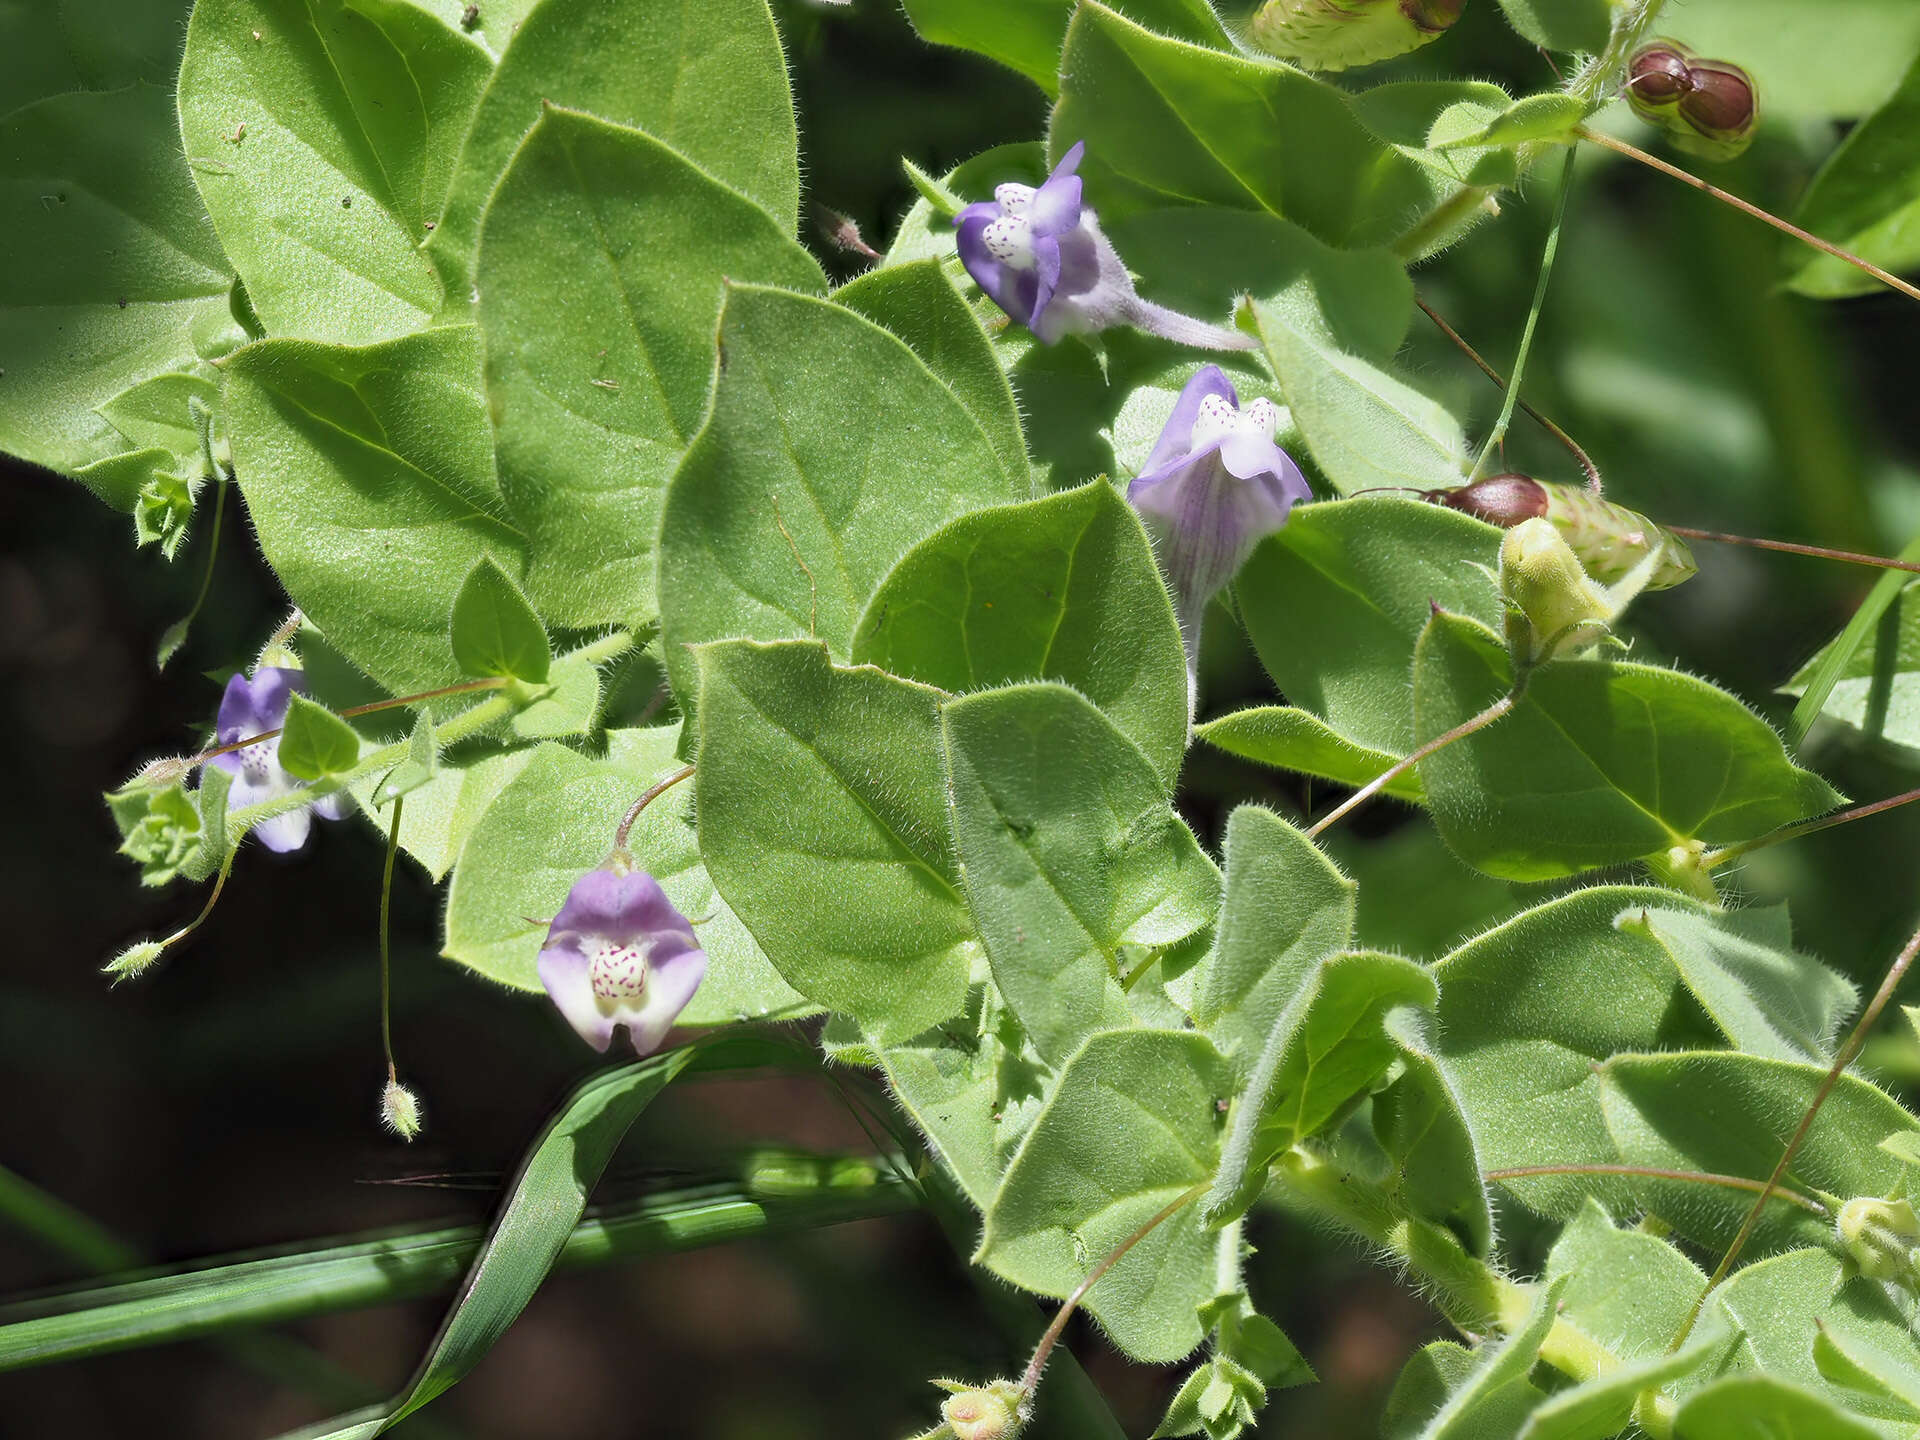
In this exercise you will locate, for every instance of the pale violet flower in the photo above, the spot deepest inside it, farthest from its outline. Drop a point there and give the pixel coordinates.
(1213, 488)
(253, 707)
(619, 953)
(1042, 258)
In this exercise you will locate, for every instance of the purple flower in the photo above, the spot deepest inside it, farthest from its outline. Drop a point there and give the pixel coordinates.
(618, 953)
(1213, 488)
(1041, 257)
(252, 707)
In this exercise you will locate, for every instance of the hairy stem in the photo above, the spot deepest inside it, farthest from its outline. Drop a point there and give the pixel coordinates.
(1386, 777)
(1807, 827)
(1030, 1381)
(1855, 1039)
(1820, 552)
(1533, 317)
(386, 959)
(647, 797)
(1787, 227)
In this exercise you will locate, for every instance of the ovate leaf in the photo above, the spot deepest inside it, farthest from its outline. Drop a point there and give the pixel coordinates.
(1600, 763)
(1748, 1405)
(1069, 850)
(594, 400)
(322, 135)
(829, 452)
(1368, 572)
(369, 478)
(1130, 1129)
(494, 629)
(111, 278)
(1289, 738)
(1167, 121)
(918, 303)
(316, 743)
(705, 77)
(1038, 591)
(1329, 331)
(822, 813)
(1725, 1113)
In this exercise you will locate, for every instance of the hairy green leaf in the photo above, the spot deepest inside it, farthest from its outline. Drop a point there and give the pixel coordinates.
(369, 477)
(1580, 25)
(1602, 762)
(822, 813)
(798, 496)
(1368, 572)
(594, 400)
(315, 742)
(1289, 738)
(113, 290)
(1168, 122)
(1330, 329)
(1068, 850)
(1034, 591)
(494, 630)
(322, 135)
(1131, 1128)
(705, 77)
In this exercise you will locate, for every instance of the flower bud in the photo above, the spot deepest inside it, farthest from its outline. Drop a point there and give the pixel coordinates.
(134, 959)
(1657, 80)
(1543, 580)
(1340, 34)
(1883, 1237)
(990, 1412)
(1719, 112)
(400, 1110)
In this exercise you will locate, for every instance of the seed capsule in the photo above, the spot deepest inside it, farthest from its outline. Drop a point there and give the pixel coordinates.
(1609, 539)
(1657, 81)
(1707, 107)
(1340, 34)
(1719, 112)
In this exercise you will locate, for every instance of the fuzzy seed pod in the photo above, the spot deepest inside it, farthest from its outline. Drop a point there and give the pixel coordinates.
(1707, 107)
(1340, 34)
(1657, 81)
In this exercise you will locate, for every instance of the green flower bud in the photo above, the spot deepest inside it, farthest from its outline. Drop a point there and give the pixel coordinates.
(1542, 579)
(994, 1411)
(1719, 113)
(1883, 1237)
(1340, 34)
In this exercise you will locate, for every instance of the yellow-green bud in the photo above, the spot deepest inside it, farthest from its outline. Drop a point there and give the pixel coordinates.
(1883, 1237)
(1543, 579)
(994, 1411)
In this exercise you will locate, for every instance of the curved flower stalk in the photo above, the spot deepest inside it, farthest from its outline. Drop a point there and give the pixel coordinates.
(1040, 255)
(619, 953)
(1214, 487)
(253, 706)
